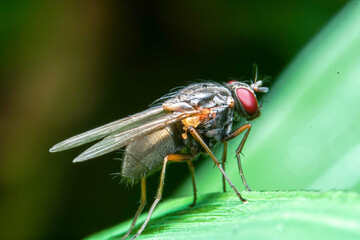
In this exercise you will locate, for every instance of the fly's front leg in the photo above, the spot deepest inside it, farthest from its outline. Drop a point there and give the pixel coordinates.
(140, 209)
(170, 157)
(235, 133)
(197, 136)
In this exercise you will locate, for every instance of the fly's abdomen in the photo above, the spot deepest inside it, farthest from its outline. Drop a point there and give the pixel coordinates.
(145, 156)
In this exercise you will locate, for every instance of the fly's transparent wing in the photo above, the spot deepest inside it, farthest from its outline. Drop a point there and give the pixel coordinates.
(124, 124)
(122, 139)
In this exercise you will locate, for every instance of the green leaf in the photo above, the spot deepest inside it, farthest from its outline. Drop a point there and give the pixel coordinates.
(267, 215)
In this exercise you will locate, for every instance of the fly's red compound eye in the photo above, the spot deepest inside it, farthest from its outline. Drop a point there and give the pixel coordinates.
(248, 101)
(230, 82)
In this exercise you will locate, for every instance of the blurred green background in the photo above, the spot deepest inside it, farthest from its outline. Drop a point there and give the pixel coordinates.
(69, 66)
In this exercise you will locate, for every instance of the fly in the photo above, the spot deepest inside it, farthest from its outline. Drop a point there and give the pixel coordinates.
(187, 123)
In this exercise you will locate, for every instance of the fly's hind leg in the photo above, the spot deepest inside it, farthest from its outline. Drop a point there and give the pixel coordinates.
(235, 133)
(172, 158)
(140, 209)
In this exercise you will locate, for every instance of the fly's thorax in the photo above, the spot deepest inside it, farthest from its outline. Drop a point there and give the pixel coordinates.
(199, 95)
(218, 126)
(212, 126)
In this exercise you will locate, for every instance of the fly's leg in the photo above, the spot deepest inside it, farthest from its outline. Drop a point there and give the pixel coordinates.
(192, 172)
(140, 209)
(223, 161)
(187, 158)
(235, 133)
(157, 199)
(197, 136)
(172, 158)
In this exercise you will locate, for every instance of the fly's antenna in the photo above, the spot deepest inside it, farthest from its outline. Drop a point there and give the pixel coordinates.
(256, 85)
(255, 72)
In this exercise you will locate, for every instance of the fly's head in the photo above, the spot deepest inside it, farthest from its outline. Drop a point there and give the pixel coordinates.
(246, 102)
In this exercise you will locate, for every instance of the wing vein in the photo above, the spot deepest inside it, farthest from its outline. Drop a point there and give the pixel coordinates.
(124, 124)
